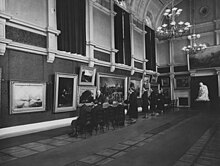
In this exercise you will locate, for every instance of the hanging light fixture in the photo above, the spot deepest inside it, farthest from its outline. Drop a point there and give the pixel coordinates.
(171, 28)
(194, 48)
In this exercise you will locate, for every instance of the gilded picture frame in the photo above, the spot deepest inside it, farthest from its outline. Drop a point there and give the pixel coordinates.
(113, 87)
(65, 92)
(27, 97)
(87, 75)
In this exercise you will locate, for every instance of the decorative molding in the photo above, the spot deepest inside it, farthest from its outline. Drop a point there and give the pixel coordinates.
(132, 71)
(50, 57)
(20, 24)
(3, 45)
(53, 31)
(102, 8)
(112, 68)
(27, 48)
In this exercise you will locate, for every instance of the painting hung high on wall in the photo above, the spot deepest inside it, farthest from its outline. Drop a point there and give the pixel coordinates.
(65, 92)
(27, 97)
(137, 85)
(86, 95)
(207, 59)
(113, 87)
(87, 75)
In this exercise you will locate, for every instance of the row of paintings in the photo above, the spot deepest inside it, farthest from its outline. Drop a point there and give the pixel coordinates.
(31, 97)
(180, 82)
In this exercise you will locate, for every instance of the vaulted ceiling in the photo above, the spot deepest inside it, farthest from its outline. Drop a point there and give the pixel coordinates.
(149, 9)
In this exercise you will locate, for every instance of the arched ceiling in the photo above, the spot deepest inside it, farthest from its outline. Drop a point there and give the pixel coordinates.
(153, 9)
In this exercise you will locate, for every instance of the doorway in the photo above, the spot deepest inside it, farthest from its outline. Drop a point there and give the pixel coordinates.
(212, 84)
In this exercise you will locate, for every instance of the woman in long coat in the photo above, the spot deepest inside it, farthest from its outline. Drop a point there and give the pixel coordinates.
(133, 109)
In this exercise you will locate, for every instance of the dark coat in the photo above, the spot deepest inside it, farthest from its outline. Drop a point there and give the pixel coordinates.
(100, 99)
(133, 108)
(145, 101)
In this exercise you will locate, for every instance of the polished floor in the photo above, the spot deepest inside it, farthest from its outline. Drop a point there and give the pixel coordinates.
(181, 138)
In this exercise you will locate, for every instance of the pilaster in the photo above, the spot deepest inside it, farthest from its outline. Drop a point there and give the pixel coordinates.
(52, 32)
(90, 33)
(113, 51)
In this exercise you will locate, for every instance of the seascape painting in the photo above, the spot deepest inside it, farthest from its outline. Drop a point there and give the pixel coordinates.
(27, 97)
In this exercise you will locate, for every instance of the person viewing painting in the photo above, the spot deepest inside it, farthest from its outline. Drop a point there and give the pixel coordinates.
(132, 102)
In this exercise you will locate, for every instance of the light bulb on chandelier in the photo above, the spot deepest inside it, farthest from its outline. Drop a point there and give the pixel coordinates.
(172, 28)
(193, 48)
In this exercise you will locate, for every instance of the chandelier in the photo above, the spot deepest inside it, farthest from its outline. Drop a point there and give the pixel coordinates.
(171, 28)
(193, 48)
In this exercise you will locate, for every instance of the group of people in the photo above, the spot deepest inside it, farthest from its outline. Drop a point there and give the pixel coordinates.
(152, 103)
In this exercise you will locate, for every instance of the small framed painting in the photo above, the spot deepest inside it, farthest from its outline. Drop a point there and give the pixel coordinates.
(87, 75)
(27, 97)
(165, 81)
(65, 92)
(154, 79)
(182, 82)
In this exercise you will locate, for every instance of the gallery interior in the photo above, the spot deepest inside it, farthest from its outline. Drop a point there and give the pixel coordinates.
(54, 53)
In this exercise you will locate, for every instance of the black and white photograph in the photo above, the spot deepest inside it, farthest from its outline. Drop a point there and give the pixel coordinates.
(110, 82)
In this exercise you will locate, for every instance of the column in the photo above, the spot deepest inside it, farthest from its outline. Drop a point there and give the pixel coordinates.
(90, 33)
(171, 49)
(113, 50)
(52, 31)
(132, 44)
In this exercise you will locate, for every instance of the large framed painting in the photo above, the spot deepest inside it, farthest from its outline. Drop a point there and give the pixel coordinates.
(86, 95)
(65, 92)
(113, 87)
(182, 82)
(137, 83)
(210, 58)
(27, 97)
(87, 75)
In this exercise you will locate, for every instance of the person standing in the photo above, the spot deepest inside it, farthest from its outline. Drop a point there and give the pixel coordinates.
(145, 103)
(133, 109)
(160, 101)
(153, 102)
(100, 99)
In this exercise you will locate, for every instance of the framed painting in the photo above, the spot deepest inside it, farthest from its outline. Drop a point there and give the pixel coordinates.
(165, 81)
(87, 75)
(137, 83)
(27, 97)
(154, 79)
(113, 87)
(65, 92)
(182, 82)
(86, 95)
